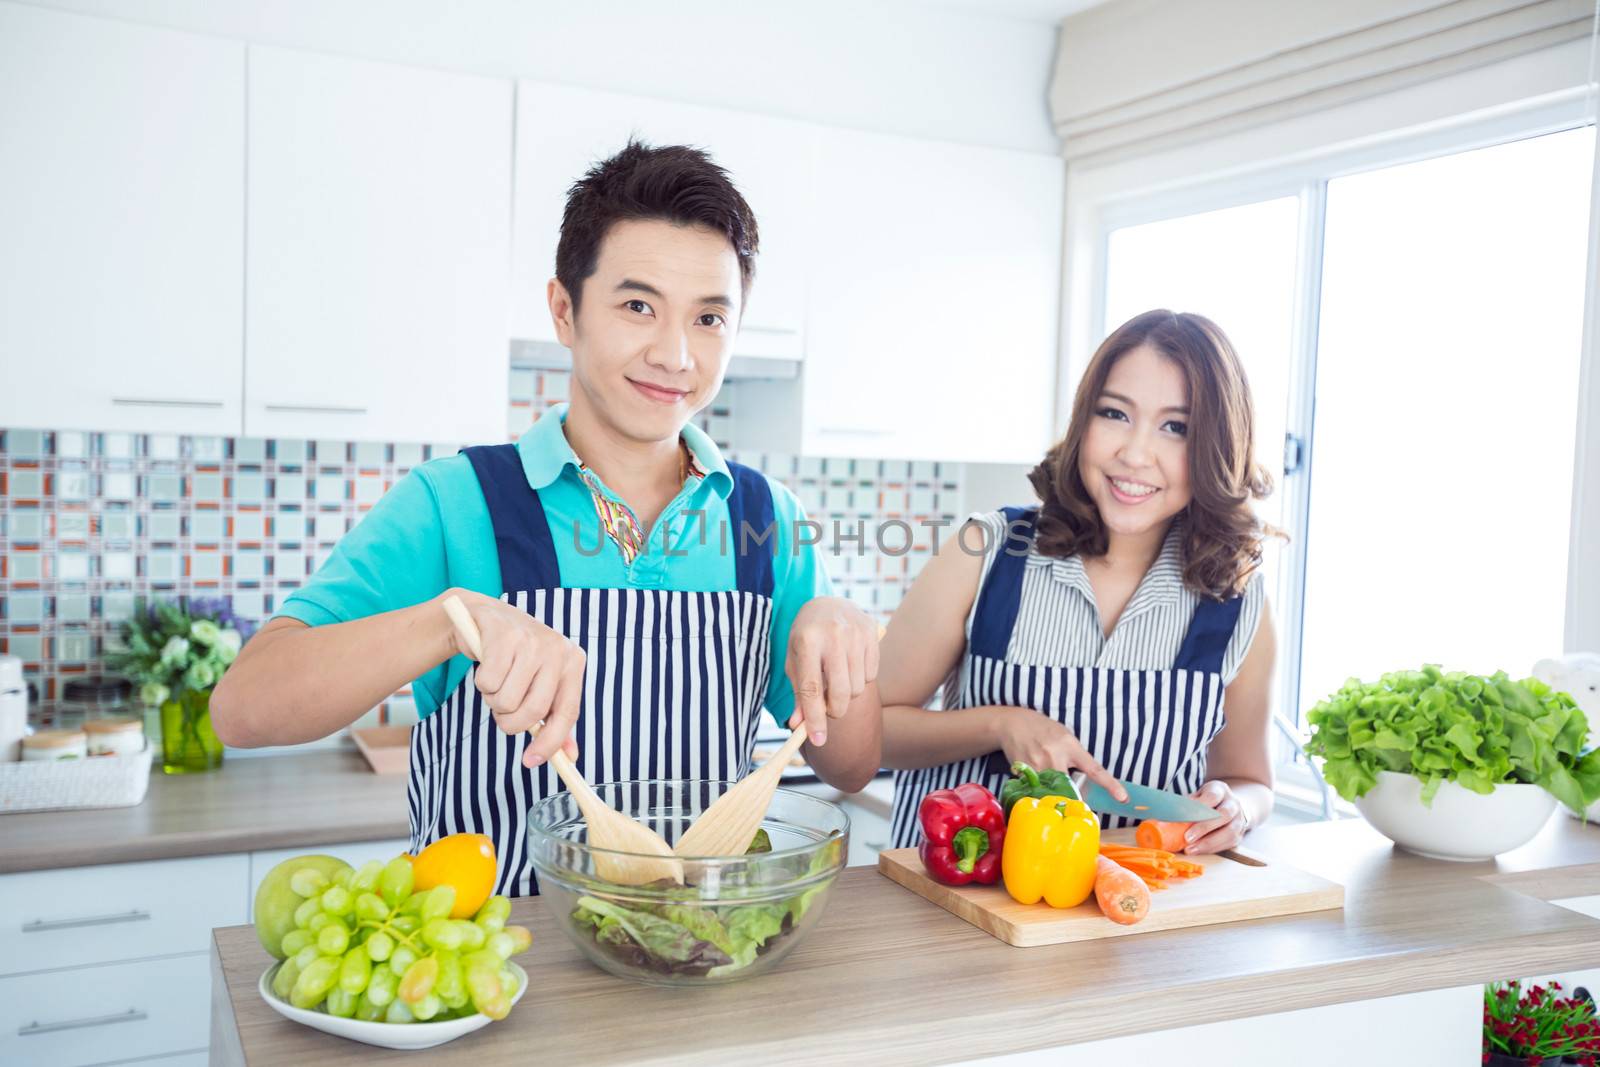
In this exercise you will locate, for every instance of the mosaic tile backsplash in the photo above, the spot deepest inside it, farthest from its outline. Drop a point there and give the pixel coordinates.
(92, 521)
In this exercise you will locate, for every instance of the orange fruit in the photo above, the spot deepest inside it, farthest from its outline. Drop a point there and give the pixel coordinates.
(465, 861)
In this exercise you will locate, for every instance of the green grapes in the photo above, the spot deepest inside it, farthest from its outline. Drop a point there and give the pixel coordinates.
(365, 880)
(333, 939)
(367, 945)
(295, 940)
(379, 946)
(309, 882)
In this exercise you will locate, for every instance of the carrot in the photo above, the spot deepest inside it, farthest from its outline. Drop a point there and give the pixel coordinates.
(1163, 835)
(1148, 856)
(1155, 867)
(1123, 898)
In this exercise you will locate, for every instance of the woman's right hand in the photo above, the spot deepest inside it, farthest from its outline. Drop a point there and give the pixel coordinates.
(531, 677)
(1044, 744)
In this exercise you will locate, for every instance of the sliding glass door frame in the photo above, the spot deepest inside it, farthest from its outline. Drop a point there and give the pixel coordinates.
(1103, 201)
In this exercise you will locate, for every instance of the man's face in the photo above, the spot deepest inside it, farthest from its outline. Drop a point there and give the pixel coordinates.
(652, 337)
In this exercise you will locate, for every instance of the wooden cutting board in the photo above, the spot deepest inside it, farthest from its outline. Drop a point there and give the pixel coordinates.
(1231, 890)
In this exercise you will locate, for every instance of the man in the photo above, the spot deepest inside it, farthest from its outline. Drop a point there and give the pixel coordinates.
(614, 562)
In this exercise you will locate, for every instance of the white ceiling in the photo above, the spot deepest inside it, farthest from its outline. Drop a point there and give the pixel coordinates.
(1045, 12)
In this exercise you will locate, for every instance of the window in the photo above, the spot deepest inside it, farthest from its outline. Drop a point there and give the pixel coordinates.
(1417, 325)
(1446, 393)
(1235, 266)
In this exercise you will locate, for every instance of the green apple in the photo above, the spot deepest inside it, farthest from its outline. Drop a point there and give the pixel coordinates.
(276, 902)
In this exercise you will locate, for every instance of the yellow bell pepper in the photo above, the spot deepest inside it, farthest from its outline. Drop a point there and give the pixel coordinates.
(1051, 848)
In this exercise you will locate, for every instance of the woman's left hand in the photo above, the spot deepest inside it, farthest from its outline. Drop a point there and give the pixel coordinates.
(1227, 829)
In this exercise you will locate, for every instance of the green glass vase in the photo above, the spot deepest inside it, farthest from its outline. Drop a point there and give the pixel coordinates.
(188, 744)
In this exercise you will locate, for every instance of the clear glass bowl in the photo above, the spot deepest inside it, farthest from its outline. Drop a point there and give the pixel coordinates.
(734, 916)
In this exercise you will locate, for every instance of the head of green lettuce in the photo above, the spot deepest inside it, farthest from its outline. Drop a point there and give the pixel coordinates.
(1476, 731)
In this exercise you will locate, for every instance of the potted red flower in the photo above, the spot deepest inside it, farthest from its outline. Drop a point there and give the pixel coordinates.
(1539, 1028)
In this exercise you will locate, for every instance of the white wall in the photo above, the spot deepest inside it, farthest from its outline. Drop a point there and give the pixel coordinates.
(878, 65)
(987, 486)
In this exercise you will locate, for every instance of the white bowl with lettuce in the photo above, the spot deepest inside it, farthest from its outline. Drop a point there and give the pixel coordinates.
(1452, 765)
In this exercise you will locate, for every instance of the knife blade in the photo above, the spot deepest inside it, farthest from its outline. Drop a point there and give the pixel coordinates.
(1146, 803)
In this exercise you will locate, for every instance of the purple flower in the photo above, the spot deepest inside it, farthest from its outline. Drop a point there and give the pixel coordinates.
(220, 610)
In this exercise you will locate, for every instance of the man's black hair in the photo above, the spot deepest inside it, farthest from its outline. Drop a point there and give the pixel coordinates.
(674, 183)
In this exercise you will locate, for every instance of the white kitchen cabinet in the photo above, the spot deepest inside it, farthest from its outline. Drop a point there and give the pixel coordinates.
(122, 215)
(118, 911)
(932, 315)
(98, 1015)
(562, 131)
(111, 963)
(379, 202)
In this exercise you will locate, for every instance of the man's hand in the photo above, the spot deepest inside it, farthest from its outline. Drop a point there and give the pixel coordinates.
(833, 655)
(530, 676)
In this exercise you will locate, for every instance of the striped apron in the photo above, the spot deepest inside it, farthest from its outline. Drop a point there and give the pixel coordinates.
(673, 685)
(1145, 726)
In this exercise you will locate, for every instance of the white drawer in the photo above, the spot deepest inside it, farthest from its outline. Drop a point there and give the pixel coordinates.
(119, 1011)
(121, 911)
(355, 853)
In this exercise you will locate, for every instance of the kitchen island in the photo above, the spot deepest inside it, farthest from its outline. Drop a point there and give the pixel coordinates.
(889, 978)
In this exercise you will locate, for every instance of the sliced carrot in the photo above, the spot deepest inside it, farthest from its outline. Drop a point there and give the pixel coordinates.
(1152, 833)
(1157, 868)
(1122, 897)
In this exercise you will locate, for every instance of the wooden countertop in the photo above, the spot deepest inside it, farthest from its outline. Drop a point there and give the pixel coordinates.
(888, 976)
(251, 803)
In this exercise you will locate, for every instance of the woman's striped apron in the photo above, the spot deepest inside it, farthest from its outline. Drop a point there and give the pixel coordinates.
(673, 685)
(1146, 726)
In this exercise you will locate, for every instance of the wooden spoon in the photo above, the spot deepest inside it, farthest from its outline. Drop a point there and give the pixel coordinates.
(608, 829)
(728, 825)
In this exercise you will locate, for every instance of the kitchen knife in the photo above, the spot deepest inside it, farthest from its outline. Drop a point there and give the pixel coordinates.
(1145, 803)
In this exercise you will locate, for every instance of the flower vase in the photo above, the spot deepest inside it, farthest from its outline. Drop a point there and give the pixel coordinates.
(188, 744)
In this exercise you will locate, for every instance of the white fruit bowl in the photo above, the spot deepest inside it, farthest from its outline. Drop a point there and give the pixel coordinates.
(1461, 825)
(403, 1036)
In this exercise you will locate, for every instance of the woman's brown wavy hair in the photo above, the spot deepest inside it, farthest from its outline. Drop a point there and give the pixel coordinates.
(1222, 545)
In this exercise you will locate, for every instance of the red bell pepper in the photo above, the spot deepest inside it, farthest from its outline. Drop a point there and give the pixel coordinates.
(963, 832)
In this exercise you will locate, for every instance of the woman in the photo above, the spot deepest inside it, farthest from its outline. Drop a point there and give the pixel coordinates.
(1120, 628)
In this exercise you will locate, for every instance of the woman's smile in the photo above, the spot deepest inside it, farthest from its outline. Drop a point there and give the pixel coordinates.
(1130, 492)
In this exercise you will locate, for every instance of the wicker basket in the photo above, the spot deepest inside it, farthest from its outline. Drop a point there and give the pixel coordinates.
(95, 782)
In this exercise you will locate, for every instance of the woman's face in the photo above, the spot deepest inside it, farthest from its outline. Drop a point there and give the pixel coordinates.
(1135, 454)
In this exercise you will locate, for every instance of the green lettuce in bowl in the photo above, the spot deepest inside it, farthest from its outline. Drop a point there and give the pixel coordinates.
(1440, 726)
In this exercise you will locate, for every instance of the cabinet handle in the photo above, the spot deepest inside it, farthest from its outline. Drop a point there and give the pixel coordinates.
(162, 402)
(316, 409)
(39, 926)
(132, 1015)
(776, 331)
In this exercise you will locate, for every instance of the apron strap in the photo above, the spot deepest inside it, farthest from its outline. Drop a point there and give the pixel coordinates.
(521, 533)
(1001, 595)
(750, 502)
(1210, 630)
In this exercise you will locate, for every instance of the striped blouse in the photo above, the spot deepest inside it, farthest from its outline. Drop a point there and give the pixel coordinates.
(1058, 621)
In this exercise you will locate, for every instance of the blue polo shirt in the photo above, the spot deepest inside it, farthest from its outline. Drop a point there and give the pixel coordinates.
(431, 532)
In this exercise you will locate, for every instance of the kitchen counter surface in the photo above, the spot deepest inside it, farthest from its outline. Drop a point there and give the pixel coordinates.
(891, 978)
(252, 803)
